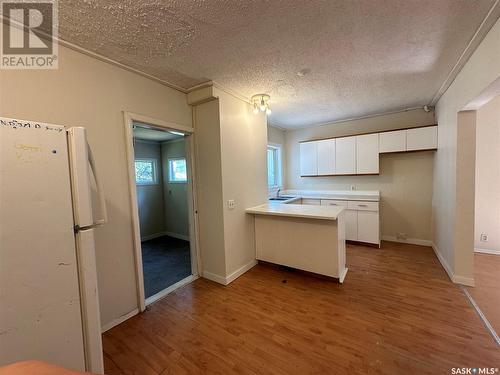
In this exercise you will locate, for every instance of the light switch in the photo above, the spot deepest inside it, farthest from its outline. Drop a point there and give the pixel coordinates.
(231, 204)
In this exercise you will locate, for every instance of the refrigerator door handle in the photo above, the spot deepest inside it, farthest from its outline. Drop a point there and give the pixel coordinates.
(100, 190)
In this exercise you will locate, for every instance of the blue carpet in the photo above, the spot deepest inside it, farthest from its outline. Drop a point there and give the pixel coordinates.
(165, 261)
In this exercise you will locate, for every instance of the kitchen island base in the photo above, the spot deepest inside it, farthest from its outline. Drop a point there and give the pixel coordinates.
(309, 244)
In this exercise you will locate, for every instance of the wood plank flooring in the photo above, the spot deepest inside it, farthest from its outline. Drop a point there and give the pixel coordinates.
(396, 313)
(486, 291)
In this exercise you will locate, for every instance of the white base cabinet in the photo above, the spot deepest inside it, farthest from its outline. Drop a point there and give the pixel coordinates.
(362, 218)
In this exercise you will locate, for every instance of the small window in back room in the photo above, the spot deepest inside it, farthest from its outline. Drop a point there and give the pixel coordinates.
(146, 172)
(273, 166)
(177, 170)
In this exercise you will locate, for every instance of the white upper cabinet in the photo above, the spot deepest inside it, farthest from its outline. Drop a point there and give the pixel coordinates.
(309, 159)
(326, 157)
(421, 138)
(345, 155)
(367, 154)
(392, 141)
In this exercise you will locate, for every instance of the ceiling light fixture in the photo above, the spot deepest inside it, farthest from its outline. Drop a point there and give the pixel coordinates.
(260, 103)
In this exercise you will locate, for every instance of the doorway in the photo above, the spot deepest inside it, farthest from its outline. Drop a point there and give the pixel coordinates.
(162, 199)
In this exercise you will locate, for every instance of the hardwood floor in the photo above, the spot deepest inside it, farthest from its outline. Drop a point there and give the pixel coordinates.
(486, 291)
(396, 313)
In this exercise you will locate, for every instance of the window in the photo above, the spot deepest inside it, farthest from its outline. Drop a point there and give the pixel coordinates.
(145, 172)
(274, 165)
(177, 170)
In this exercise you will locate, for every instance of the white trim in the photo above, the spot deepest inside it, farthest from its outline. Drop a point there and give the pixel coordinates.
(456, 279)
(225, 280)
(411, 241)
(129, 119)
(343, 275)
(443, 262)
(486, 322)
(240, 271)
(152, 236)
(162, 294)
(487, 251)
(467, 281)
(119, 320)
(184, 237)
(483, 29)
(214, 277)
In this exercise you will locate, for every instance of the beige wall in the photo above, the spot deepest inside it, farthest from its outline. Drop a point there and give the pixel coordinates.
(90, 93)
(244, 176)
(405, 180)
(175, 194)
(150, 197)
(481, 70)
(487, 209)
(231, 165)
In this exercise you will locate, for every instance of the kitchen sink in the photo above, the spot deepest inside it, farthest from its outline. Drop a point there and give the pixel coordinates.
(279, 199)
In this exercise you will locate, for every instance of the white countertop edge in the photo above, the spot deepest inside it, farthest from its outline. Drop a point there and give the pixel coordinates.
(297, 210)
(356, 195)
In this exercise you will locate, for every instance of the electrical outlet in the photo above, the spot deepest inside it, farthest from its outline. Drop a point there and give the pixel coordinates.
(484, 237)
(231, 204)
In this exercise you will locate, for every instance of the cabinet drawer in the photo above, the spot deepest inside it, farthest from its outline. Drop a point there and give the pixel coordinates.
(311, 201)
(362, 206)
(333, 202)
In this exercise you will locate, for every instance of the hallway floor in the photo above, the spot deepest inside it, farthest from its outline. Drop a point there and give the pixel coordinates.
(165, 261)
(486, 292)
(396, 313)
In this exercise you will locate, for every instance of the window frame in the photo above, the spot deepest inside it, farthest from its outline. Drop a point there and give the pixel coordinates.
(154, 163)
(278, 150)
(169, 172)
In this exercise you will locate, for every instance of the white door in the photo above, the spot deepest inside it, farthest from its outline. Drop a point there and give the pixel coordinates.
(367, 154)
(392, 141)
(421, 138)
(345, 155)
(39, 295)
(368, 227)
(309, 158)
(351, 225)
(326, 157)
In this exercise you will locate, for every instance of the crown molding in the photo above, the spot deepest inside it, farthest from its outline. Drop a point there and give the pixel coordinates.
(483, 29)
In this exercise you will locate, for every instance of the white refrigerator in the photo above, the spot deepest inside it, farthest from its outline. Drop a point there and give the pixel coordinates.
(50, 202)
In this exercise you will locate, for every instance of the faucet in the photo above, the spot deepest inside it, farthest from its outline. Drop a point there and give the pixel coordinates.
(278, 193)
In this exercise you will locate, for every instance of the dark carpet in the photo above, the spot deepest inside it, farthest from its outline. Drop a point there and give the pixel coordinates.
(165, 261)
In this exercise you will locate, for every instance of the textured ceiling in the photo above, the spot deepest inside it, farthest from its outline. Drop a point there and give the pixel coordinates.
(360, 57)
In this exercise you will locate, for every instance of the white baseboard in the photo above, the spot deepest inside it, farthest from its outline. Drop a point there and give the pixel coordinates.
(152, 236)
(457, 279)
(214, 277)
(411, 241)
(225, 280)
(343, 275)
(487, 251)
(170, 234)
(119, 320)
(240, 271)
(177, 235)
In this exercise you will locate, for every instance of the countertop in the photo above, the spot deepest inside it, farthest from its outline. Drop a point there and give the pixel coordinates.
(355, 195)
(297, 210)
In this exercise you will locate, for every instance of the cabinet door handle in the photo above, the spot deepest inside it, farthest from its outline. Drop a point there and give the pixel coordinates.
(333, 204)
(362, 205)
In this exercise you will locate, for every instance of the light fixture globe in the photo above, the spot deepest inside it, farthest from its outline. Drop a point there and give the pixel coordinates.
(260, 103)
